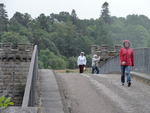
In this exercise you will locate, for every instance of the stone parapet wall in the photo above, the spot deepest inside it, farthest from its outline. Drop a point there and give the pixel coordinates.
(24, 51)
(19, 110)
(105, 52)
(14, 67)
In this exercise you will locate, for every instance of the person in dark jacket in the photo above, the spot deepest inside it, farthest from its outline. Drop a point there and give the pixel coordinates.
(126, 61)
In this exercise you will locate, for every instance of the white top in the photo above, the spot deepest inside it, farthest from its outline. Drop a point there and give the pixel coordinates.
(95, 61)
(81, 60)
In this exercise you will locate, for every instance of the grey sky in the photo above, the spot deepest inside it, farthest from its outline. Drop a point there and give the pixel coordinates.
(85, 9)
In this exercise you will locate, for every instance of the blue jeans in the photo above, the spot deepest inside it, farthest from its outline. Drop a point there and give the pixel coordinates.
(95, 68)
(125, 69)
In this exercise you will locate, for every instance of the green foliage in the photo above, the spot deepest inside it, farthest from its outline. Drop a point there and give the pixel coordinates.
(3, 18)
(50, 60)
(105, 13)
(138, 34)
(89, 60)
(5, 102)
(72, 63)
(57, 63)
(61, 37)
(44, 22)
(14, 38)
(68, 71)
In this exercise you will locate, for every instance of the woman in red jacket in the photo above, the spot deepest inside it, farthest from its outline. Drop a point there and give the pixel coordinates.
(126, 61)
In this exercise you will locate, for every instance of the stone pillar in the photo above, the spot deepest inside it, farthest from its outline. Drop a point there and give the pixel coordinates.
(7, 47)
(21, 47)
(93, 49)
(104, 48)
(111, 48)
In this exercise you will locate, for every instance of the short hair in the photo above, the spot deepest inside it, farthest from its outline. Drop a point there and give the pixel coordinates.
(82, 53)
(94, 55)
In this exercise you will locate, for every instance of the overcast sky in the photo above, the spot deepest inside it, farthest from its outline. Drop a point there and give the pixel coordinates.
(85, 9)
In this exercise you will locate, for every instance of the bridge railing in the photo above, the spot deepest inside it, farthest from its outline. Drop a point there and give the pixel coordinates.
(112, 65)
(141, 62)
(29, 94)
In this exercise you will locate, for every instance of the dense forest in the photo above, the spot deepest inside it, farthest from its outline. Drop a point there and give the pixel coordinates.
(61, 37)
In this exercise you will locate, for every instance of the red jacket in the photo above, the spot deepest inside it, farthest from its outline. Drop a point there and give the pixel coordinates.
(127, 55)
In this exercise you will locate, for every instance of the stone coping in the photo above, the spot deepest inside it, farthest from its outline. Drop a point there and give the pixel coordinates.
(18, 110)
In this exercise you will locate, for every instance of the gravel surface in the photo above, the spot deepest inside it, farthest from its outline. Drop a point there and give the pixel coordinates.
(102, 93)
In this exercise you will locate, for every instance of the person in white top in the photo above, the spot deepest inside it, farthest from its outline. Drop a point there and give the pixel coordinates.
(95, 61)
(81, 62)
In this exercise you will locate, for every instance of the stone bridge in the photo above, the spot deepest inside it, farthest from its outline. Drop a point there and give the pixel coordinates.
(44, 91)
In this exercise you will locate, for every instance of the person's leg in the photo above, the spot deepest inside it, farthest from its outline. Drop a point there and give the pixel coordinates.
(97, 70)
(128, 69)
(93, 68)
(82, 67)
(122, 74)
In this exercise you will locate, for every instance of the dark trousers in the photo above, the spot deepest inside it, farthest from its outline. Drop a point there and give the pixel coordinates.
(95, 68)
(81, 67)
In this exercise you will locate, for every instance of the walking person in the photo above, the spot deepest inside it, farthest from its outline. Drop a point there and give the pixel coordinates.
(95, 61)
(126, 61)
(81, 62)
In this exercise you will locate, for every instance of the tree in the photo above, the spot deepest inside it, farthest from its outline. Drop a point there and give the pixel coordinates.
(57, 63)
(14, 25)
(72, 63)
(103, 33)
(3, 19)
(77, 22)
(62, 17)
(42, 39)
(138, 35)
(117, 29)
(63, 36)
(23, 19)
(105, 13)
(44, 22)
(14, 38)
(50, 60)
(89, 60)
(27, 19)
(74, 17)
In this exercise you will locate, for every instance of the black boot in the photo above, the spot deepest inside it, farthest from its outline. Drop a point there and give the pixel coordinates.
(129, 84)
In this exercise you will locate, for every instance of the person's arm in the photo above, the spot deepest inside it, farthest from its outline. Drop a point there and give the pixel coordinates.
(120, 55)
(78, 61)
(85, 60)
(122, 62)
(132, 58)
(99, 58)
(96, 59)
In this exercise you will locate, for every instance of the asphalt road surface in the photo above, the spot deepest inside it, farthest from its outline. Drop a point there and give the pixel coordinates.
(102, 93)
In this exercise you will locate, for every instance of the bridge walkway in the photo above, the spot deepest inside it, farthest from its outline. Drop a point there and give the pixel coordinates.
(103, 93)
(50, 96)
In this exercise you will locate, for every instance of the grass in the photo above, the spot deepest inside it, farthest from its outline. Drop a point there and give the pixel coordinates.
(87, 70)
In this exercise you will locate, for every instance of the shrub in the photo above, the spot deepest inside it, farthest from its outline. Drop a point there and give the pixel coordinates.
(5, 102)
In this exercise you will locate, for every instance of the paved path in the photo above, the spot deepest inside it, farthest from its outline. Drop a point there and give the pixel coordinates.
(87, 93)
(50, 96)
(103, 93)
